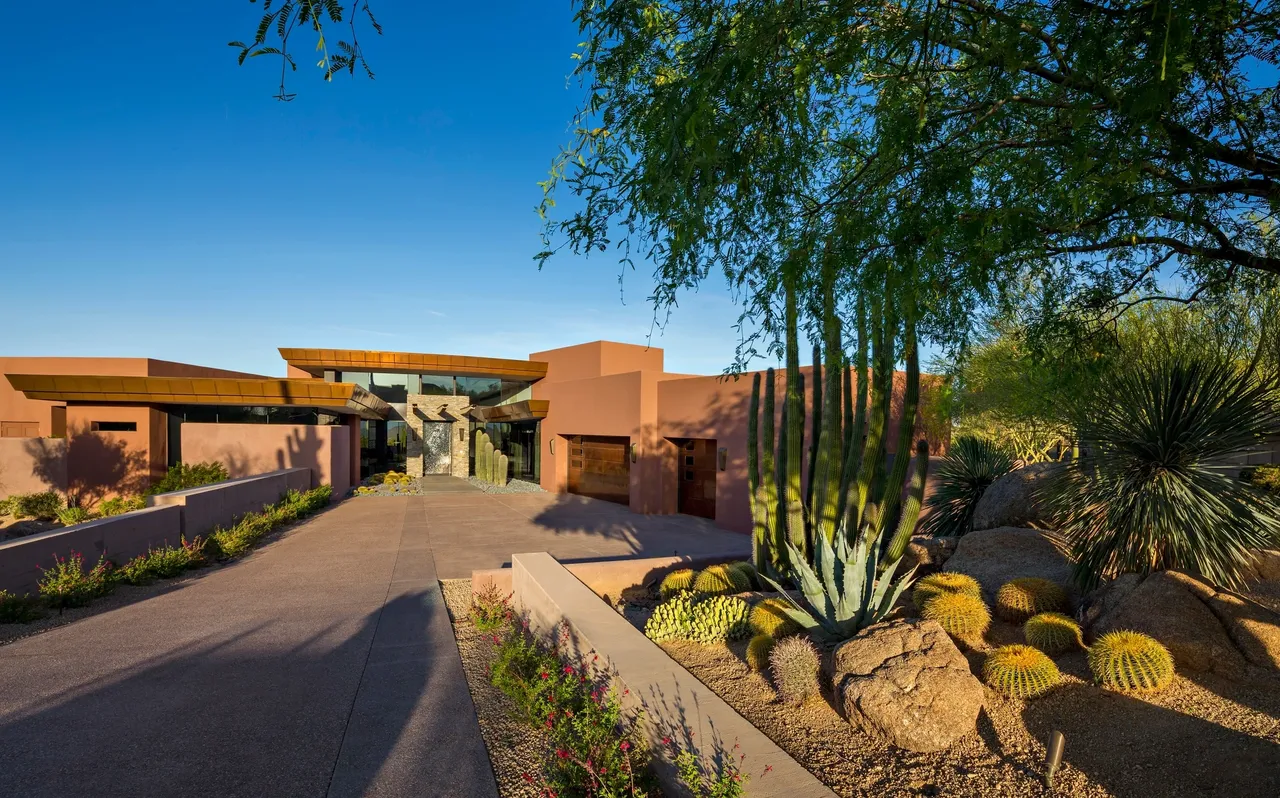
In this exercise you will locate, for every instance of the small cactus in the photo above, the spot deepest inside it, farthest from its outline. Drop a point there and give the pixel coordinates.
(1053, 633)
(747, 570)
(1019, 599)
(794, 665)
(961, 615)
(1020, 671)
(1130, 662)
(721, 579)
(676, 581)
(671, 619)
(758, 651)
(717, 619)
(769, 617)
(944, 582)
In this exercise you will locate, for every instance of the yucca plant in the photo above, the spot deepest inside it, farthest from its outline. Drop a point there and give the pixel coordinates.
(1152, 490)
(966, 472)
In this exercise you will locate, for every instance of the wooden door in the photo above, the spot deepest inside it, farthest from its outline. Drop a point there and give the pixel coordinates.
(697, 477)
(600, 467)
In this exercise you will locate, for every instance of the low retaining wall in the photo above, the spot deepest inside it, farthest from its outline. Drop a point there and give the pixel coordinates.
(120, 537)
(675, 704)
(222, 503)
(608, 578)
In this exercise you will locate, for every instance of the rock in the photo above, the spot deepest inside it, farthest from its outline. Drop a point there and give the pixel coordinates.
(1265, 566)
(1012, 500)
(994, 556)
(927, 554)
(906, 682)
(1168, 606)
(1106, 598)
(1253, 628)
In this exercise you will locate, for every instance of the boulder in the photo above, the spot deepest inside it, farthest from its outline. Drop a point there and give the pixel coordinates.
(1170, 607)
(1012, 500)
(927, 554)
(907, 683)
(1265, 566)
(994, 556)
(1253, 628)
(1106, 598)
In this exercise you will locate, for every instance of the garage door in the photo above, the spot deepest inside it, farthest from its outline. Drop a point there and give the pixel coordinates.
(599, 468)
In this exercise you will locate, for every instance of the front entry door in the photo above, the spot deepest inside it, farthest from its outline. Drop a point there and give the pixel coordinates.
(697, 492)
(437, 453)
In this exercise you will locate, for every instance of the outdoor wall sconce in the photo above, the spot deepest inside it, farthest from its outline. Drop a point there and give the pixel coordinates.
(633, 452)
(551, 444)
(462, 434)
(723, 457)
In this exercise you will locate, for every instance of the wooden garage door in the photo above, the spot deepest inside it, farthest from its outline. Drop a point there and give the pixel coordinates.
(600, 468)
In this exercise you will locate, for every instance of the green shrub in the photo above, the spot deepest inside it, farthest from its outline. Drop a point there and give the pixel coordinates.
(794, 665)
(1130, 662)
(162, 563)
(70, 516)
(120, 505)
(19, 609)
(67, 584)
(490, 610)
(41, 506)
(1020, 671)
(233, 542)
(1149, 492)
(1266, 477)
(181, 476)
(966, 472)
(6, 506)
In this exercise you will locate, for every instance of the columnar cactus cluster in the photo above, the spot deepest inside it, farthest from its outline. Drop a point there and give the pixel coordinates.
(492, 465)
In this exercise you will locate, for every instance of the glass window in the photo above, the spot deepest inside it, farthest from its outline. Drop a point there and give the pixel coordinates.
(482, 390)
(436, 385)
(361, 378)
(515, 391)
(390, 388)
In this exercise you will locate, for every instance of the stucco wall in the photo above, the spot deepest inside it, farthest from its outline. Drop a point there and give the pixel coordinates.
(101, 465)
(248, 449)
(14, 406)
(32, 465)
(221, 504)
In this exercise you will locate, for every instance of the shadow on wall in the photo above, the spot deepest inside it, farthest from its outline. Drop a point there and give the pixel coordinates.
(302, 450)
(97, 465)
(265, 714)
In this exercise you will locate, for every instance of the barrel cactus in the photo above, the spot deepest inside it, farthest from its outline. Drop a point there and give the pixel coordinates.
(1053, 633)
(1130, 662)
(1020, 671)
(1019, 599)
(944, 582)
(677, 581)
(720, 580)
(964, 617)
(719, 618)
(671, 620)
(769, 617)
(794, 665)
(758, 651)
(746, 570)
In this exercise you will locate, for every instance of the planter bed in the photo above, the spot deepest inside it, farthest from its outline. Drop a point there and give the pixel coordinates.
(1208, 736)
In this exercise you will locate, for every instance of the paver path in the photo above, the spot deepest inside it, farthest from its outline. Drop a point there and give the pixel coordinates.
(321, 665)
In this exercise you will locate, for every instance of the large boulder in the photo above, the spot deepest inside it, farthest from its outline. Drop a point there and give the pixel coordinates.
(1253, 628)
(906, 682)
(1013, 500)
(1171, 607)
(927, 554)
(995, 556)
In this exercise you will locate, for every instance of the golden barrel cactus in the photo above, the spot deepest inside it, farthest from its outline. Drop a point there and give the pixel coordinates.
(1130, 662)
(964, 617)
(758, 651)
(769, 617)
(1019, 599)
(1053, 633)
(677, 581)
(1020, 671)
(721, 580)
(944, 582)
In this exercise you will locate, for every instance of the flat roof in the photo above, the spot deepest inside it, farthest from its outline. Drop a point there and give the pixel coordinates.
(316, 361)
(342, 398)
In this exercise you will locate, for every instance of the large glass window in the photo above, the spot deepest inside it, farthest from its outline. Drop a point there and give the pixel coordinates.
(481, 390)
(361, 378)
(390, 388)
(437, 385)
(515, 391)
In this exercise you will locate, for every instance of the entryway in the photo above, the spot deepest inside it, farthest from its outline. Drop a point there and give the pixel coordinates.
(599, 467)
(696, 476)
(437, 448)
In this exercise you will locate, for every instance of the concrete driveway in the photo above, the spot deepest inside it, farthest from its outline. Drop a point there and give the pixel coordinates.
(323, 664)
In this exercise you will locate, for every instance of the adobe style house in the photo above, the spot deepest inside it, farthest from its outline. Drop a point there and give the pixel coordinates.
(600, 419)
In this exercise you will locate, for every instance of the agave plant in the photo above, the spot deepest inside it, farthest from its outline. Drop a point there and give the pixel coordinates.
(968, 470)
(844, 589)
(1153, 489)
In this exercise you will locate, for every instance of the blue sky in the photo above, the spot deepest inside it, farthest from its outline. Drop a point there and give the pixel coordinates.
(155, 200)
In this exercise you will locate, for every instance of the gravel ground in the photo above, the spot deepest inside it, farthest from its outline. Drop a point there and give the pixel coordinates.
(1196, 738)
(411, 488)
(514, 486)
(514, 748)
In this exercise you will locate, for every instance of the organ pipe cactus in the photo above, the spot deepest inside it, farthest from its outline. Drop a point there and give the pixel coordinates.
(488, 460)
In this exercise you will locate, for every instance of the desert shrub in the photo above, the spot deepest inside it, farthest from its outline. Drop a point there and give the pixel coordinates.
(723, 778)
(1019, 599)
(119, 505)
(1149, 491)
(964, 617)
(1053, 633)
(969, 468)
(1266, 477)
(677, 581)
(721, 579)
(1130, 662)
(69, 516)
(163, 563)
(758, 651)
(770, 617)
(182, 476)
(67, 584)
(41, 506)
(944, 582)
(671, 619)
(490, 609)
(1020, 671)
(794, 666)
(6, 506)
(18, 608)
(719, 618)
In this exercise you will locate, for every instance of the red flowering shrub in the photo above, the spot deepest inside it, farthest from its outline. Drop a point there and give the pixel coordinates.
(67, 584)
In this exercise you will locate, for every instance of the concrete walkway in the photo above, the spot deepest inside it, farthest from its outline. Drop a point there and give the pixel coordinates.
(321, 665)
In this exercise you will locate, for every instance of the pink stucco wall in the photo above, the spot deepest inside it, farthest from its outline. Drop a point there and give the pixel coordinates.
(32, 465)
(248, 449)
